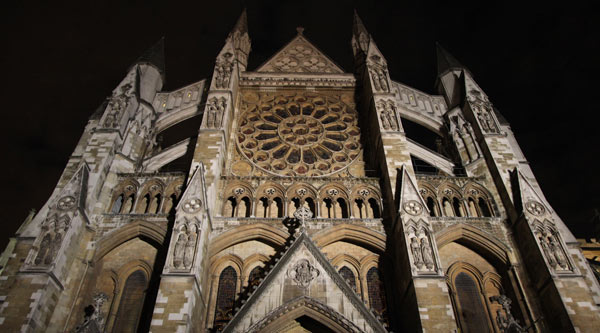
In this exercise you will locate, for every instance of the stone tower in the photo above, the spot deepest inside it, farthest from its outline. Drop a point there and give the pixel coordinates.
(302, 206)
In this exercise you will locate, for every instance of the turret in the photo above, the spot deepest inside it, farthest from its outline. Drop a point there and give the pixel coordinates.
(450, 80)
(150, 71)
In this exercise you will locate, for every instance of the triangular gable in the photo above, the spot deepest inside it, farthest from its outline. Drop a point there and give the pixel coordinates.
(535, 204)
(195, 191)
(300, 56)
(409, 195)
(74, 193)
(303, 275)
(529, 195)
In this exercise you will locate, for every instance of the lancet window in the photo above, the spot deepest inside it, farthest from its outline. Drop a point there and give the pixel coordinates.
(132, 302)
(348, 275)
(376, 291)
(225, 297)
(124, 198)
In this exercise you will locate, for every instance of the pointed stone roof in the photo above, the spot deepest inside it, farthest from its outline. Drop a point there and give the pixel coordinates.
(446, 61)
(283, 287)
(300, 56)
(193, 197)
(154, 56)
(530, 201)
(357, 25)
(242, 23)
(409, 192)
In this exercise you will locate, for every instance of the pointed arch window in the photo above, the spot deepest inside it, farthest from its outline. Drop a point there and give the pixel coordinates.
(348, 275)
(376, 291)
(225, 296)
(254, 277)
(131, 303)
(473, 317)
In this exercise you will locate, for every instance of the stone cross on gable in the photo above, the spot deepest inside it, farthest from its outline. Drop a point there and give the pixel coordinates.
(301, 214)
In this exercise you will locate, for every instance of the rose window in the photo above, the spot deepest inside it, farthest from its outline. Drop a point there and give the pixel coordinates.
(304, 134)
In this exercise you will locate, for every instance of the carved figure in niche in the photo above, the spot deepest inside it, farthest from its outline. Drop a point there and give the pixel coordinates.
(223, 68)
(44, 248)
(54, 247)
(179, 251)
(303, 273)
(216, 106)
(416, 252)
(118, 102)
(546, 249)
(555, 247)
(427, 253)
(190, 246)
(376, 80)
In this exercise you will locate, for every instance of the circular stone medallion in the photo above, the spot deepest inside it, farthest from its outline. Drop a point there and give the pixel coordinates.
(412, 207)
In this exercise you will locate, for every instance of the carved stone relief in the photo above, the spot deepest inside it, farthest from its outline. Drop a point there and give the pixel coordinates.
(215, 107)
(118, 103)
(387, 115)
(553, 250)
(422, 253)
(378, 71)
(192, 205)
(535, 208)
(300, 57)
(50, 240)
(412, 207)
(303, 273)
(223, 69)
(185, 246)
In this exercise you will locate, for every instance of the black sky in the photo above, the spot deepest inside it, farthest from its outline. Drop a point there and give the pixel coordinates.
(538, 64)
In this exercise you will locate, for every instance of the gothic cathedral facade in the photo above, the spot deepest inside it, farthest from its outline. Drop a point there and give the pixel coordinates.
(304, 207)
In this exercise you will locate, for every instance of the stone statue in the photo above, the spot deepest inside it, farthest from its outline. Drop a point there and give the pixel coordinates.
(190, 246)
(427, 253)
(223, 68)
(416, 252)
(212, 113)
(376, 80)
(547, 251)
(382, 74)
(555, 247)
(43, 251)
(390, 113)
(179, 251)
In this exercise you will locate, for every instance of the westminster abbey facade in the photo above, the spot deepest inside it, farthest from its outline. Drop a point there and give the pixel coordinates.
(299, 205)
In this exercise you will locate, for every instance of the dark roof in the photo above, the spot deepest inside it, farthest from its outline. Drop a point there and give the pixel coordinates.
(445, 61)
(154, 56)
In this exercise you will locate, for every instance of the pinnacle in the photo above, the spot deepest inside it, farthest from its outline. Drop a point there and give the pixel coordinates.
(445, 61)
(357, 25)
(155, 56)
(242, 23)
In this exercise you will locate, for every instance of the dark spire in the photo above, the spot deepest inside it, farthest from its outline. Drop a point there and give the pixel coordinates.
(155, 56)
(357, 25)
(242, 23)
(445, 61)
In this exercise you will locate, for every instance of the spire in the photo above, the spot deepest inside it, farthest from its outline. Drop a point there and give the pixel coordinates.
(357, 26)
(360, 38)
(155, 56)
(242, 23)
(445, 61)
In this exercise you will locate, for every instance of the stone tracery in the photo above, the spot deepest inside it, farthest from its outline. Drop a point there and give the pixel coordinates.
(298, 134)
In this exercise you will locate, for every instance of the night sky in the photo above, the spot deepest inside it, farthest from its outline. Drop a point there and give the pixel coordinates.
(539, 65)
